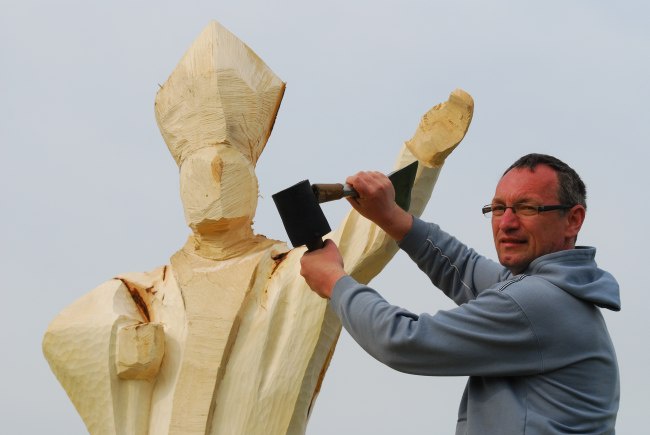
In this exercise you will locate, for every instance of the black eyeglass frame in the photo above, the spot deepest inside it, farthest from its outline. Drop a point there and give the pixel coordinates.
(488, 210)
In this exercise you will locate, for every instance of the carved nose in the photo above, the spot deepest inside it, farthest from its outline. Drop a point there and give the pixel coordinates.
(217, 168)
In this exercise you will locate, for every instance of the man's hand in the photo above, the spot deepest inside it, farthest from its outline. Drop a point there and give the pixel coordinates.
(321, 268)
(376, 201)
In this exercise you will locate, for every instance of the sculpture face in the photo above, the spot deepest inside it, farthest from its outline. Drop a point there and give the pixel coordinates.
(218, 189)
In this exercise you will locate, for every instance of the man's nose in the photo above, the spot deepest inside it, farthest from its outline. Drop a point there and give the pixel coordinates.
(509, 219)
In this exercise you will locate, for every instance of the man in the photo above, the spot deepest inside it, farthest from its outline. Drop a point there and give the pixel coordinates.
(528, 332)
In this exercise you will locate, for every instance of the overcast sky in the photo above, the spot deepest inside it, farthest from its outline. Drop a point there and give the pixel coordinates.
(89, 189)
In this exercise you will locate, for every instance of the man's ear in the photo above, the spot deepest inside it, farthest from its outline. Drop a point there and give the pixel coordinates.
(575, 217)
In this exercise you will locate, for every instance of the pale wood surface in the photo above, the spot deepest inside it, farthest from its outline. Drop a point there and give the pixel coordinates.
(442, 128)
(227, 338)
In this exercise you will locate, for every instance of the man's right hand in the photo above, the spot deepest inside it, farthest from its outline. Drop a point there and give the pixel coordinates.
(376, 201)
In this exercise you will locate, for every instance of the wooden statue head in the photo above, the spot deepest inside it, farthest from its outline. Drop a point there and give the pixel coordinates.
(216, 112)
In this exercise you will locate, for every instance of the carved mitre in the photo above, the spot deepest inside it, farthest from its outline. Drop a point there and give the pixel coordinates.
(221, 93)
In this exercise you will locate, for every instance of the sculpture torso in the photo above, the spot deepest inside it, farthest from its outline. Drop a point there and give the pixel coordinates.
(211, 310)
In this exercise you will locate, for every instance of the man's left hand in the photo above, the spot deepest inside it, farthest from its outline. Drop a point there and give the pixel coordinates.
(322, 268)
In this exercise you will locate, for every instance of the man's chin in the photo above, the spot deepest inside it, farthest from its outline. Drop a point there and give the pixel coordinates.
(515, 266)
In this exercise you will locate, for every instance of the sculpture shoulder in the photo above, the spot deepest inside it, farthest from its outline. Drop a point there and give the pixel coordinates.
(90, 318)
(95, 314)
(102, 305)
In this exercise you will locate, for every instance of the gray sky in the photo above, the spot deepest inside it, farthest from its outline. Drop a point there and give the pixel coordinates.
(89, 189)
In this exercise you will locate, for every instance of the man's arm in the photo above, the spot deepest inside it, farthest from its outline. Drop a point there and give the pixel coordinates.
(321, 268)
(489, 336)
(453, 267)
(376, 202)
(459, 271)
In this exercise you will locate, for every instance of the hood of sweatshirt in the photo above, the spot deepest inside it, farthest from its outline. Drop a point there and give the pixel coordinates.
(575, 271)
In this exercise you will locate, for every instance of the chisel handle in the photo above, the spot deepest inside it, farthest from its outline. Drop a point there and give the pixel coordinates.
(331, 192)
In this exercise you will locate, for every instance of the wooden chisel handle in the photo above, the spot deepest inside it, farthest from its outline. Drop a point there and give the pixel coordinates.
(331, 192)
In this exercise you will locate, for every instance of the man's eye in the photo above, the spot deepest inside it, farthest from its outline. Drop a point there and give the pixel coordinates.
(526, 209)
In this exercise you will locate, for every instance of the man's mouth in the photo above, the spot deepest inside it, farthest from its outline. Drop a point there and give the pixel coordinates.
(511, 242)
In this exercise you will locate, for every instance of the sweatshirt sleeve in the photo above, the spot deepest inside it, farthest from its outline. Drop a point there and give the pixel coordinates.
(457, 270)
(489, 336)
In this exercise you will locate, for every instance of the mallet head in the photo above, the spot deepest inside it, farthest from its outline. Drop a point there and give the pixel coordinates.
(301, 215)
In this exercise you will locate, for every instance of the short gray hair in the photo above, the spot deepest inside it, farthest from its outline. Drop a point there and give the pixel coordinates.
(571, 189)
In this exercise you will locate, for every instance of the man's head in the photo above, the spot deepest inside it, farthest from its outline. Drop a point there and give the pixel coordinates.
(537, 180)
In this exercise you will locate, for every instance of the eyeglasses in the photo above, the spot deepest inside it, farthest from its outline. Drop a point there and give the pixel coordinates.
(497, 210)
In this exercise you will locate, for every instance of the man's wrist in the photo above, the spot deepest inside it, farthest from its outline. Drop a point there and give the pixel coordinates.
(332, 279)
(399, 225)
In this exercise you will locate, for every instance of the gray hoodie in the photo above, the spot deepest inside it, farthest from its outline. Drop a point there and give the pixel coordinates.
(535, 346)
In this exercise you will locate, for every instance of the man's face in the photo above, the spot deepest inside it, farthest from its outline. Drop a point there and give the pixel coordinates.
(521, 239)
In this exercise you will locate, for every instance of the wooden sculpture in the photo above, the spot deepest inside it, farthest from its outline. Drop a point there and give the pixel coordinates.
(227, 338)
